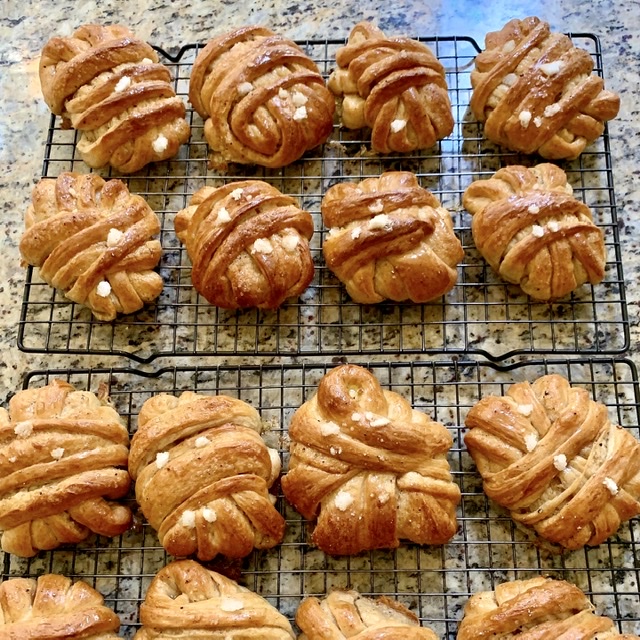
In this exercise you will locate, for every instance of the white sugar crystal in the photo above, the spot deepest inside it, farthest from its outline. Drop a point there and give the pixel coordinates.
(123, 84)
(610, 483)
(160, 144)
(113, 237)
(560, 462)
(533, 208)
(283, 93)
(551, 110)
(23, 429)
(376, 207)
(300, 113)
(398, 125)
(383, 498)
(510, 79)
(525, 118)
(146, 61)
(223, 216)
(161, 459)
(299, 99)
(356, 417)
(525, 409)
(231, 604)
(290, 242)
(57, 453)
(329, 428)
(380, 221)
(335, 451)
(103, 289)
(530, 441)
(508, 46)
(343, 500)
(13, 459)
(553, 225)
(537, 231)
(355, 233)
(244, 88)
(188, 519)
(262, 245)
(368, 415)
(380, 422)
(209, 515)
(236, 194)
(551, 68)
(353, 394)
(538, 122)
(202, 441)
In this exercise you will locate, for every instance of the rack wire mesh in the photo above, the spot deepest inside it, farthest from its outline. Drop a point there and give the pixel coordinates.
(435, 582)
(481, 315)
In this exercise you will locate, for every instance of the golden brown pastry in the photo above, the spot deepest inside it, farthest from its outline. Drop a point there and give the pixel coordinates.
(390, 239)
(393, 85)
(63, 461)
(532, 609)
(549, 454)
(185, 600)
(368, 467)
(536, 93)
(262, 98)
(203, 474)
(347, 614)
(248, 244)
(93, 240)
(54, 607)
(108, 84)
(534, 233)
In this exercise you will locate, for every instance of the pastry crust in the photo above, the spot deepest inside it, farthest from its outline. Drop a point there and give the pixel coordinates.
(535, 608)
(185, 600)
(536, 93)
(393, 85)
(248, 244)
(54, 607)
(369, 468)
(347, 614)
(390, 239)
(534, 233)
(63, 460)
(549, 453)
(203, 474)
(93, 240)
(108, 84)
(262, 98)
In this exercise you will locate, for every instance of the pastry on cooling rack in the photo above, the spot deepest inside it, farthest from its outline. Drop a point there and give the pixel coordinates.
(262, 98)
(535, 608)
(389, 239)
(550, 455)
(108, 85)
(393, 85)
(202, 475)
(63, 463)
(248, 244)
(93, 240)
(54, 607)
(185, 600)
(368, 468)
(348, 614)
(535, 91)
(530, 228)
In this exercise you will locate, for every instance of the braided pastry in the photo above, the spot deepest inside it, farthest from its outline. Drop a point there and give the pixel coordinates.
(550, 455)
(54, 607)
(248, 244)
(108, 85)
(395, 86)
(185, 600)
(536, 93)
(347, 614)
(531, 229)
(63, 459)
(371, 469)
(203, 474)
(262, 98)
(390, 239)
(93, 240)
(535, 608)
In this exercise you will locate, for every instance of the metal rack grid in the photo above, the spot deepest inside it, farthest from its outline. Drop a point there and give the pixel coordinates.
(481, 315)
(435, 582)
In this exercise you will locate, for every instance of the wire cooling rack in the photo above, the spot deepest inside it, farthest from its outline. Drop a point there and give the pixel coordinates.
(435, 582)
(481, 315)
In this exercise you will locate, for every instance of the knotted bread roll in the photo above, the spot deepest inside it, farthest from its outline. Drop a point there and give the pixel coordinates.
(535, 608)
(63, 460)
(536, 93)
(550, 455)
(393, 85)
(390, 239)
(347, 614)
(54, 607)
(185, 600)
(262, 98)
(248, 244)
(93, 240)
(202, 475)
(530, 228)
(108, 84)
(368, 467)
